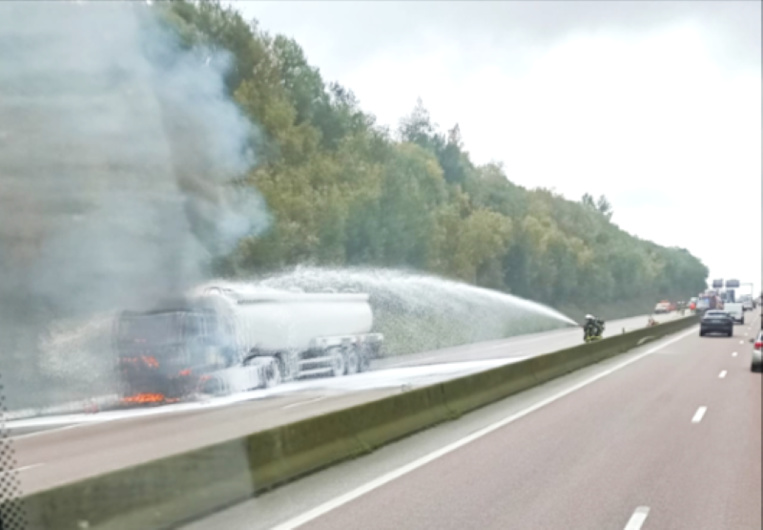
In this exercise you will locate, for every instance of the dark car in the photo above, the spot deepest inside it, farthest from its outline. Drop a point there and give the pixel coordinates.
(715, 321)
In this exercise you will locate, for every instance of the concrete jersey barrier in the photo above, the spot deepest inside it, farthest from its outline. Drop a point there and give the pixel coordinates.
(166, 492)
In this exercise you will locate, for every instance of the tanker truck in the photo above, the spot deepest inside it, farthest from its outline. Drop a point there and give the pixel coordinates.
(220, 340)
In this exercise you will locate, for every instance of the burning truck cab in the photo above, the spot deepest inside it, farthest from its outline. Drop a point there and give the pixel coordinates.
(224, 340)
(164, 355)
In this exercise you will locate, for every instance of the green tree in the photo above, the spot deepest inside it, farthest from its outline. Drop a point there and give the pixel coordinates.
(342, 190)
(604, 207)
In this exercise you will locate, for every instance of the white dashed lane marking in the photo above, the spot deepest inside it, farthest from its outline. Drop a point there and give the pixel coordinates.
(638, 518)
(699, 415)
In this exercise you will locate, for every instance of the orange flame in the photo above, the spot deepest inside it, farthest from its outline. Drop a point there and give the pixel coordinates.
(144, 398)
(151, 361)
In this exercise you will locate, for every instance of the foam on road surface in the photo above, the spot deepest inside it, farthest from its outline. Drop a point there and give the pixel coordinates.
(20, 421)
(78, 446)
(613, 446)
(408, 377)
(408, 370)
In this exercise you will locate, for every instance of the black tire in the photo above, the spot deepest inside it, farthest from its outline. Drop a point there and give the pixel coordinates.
(731, 333)
(339, 363)
(365, 360)
(755, 367)
(282, 372)
(352, 361)
(701, 333)
(273, 373)
(374, 352)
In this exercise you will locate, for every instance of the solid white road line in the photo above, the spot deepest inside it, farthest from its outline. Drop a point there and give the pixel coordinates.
(30, 466)
(305, 402)
(638, 518)
(722, 374)
(22, 468)
(699, 414)
(341, 500)
(47, 431)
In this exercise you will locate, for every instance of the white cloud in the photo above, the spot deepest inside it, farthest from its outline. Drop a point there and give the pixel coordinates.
(660, 120)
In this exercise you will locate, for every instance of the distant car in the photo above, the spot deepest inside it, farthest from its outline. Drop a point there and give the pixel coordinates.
(748, 305)
(757, 347)
(736, 311)
(715, 321)
(662, 307)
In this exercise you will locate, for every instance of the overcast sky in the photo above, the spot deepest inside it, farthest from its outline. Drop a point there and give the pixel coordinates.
(656, 105)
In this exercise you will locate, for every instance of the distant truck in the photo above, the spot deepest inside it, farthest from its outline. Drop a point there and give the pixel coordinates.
(220, 340)
(708, 301)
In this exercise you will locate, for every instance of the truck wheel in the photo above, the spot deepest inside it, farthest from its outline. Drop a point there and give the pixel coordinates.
(338, 363)
(352, 359)
(273, 374)
(365, 360)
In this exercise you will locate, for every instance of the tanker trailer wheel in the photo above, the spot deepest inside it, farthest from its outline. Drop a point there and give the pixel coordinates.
(365, 354)
(273, 373)
(338, 363)
(364, 357)
(352, 357)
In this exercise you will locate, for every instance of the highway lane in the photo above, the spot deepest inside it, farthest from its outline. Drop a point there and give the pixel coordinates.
(98, 443)
(664, 442)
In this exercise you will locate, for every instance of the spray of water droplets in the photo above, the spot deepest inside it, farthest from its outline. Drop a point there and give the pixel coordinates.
(418, 312)
(415, 312)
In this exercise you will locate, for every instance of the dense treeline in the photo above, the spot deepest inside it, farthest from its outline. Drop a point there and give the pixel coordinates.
(344, 191)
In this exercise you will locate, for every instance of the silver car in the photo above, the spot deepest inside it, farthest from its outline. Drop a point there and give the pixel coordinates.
(757, 346)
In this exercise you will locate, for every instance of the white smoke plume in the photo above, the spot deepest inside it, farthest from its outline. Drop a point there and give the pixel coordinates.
(118, 147)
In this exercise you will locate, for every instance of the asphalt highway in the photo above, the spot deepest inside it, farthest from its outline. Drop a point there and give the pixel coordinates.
(667, 436)
(86, 445)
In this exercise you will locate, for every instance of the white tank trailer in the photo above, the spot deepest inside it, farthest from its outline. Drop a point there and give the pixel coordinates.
(222, 339)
